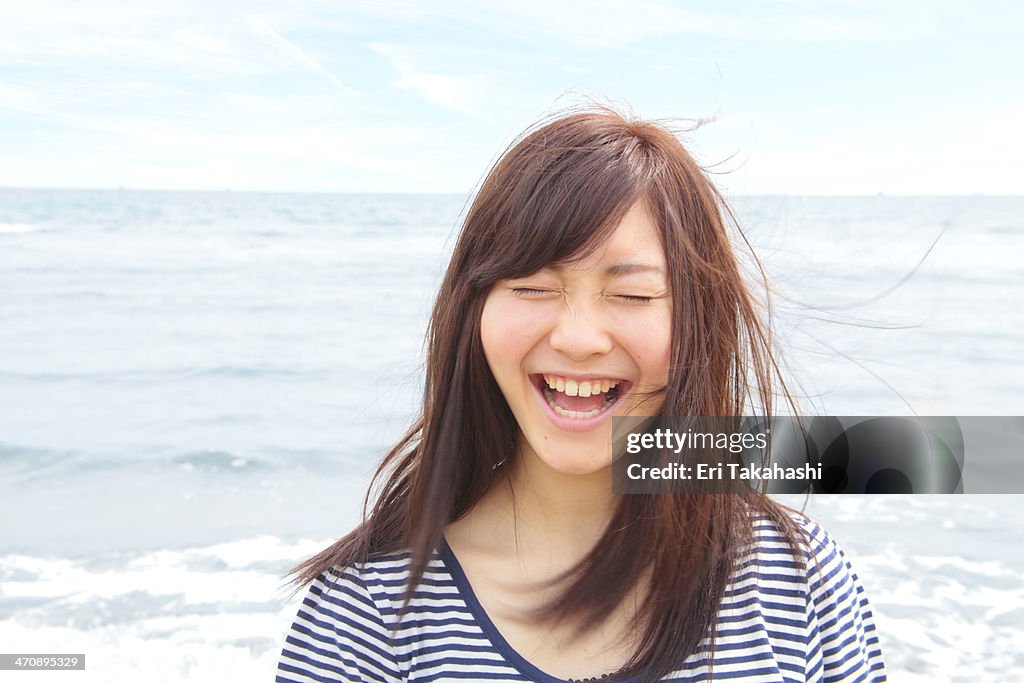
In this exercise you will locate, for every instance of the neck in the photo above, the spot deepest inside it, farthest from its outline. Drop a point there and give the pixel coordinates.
(555, 509)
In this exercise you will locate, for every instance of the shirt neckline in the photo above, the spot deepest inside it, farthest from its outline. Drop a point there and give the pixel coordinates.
(510, 654)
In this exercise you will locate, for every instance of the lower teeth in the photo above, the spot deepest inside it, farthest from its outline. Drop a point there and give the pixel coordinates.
(559, 410)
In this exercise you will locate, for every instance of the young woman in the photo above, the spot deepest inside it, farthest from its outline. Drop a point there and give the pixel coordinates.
(593, 277)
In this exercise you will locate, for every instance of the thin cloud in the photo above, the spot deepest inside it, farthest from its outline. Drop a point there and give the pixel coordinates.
(615, 24)
(235, 94)
(450, 80)
(296, 53)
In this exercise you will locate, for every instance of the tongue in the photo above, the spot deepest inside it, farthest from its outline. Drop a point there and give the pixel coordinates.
(578, 403)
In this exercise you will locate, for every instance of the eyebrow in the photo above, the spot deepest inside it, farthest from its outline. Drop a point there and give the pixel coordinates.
(630, 268)
(618, 269)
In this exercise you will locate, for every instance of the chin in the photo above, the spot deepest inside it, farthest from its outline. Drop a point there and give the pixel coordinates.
(572, 458)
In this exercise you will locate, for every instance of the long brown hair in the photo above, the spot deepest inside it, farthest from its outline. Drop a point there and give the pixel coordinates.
(553, 195)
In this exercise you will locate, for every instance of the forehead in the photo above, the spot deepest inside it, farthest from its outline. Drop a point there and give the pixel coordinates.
(634, 241)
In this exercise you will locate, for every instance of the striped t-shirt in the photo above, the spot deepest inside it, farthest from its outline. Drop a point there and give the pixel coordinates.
(777, 623)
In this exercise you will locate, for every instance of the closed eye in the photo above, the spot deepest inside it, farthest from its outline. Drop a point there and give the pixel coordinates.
(530, 291)
(632, 299)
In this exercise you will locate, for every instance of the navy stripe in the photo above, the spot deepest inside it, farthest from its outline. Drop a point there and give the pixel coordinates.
(781, 620)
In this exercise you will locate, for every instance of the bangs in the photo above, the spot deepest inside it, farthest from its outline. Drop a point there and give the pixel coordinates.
(555, 203)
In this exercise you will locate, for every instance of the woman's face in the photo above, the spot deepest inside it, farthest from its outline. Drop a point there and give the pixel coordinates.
(574, 344)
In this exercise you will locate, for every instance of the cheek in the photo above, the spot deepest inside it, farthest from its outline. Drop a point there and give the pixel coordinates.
(507, 333)
(654, 349)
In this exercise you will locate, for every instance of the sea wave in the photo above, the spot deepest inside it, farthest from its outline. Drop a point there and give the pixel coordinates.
(143, 376)
(201, 614)
(19, 459)
(217, 462)
(49, 466)
(19, 228)
(181, 614)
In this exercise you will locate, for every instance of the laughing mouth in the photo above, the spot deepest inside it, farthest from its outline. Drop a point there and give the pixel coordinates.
(580, 399)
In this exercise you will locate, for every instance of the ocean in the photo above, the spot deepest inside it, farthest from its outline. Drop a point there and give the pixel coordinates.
(196, 387)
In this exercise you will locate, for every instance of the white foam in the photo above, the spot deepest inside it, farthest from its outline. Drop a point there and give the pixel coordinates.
(988, 568)
(202, 614)
(18, 228)
(219, 613)
(119, 653)
(196, 575)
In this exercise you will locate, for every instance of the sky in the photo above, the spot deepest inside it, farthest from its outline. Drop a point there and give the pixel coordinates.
(826, 97)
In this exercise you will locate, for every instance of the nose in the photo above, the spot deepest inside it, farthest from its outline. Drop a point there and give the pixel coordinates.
(581, 333)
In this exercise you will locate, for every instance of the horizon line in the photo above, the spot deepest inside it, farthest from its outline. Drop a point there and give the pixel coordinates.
(229, 190)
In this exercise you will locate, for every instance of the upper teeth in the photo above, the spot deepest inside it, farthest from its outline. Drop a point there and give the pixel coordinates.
(573, 388)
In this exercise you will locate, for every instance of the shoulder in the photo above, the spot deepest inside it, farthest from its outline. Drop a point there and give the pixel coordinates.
(800, 550)
(839, 625)
(355, 624)
(797, 537)
(341, 630)
(828, 570)
(374, 588)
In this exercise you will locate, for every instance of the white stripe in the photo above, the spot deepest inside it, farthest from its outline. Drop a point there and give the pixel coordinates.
(835, 611)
